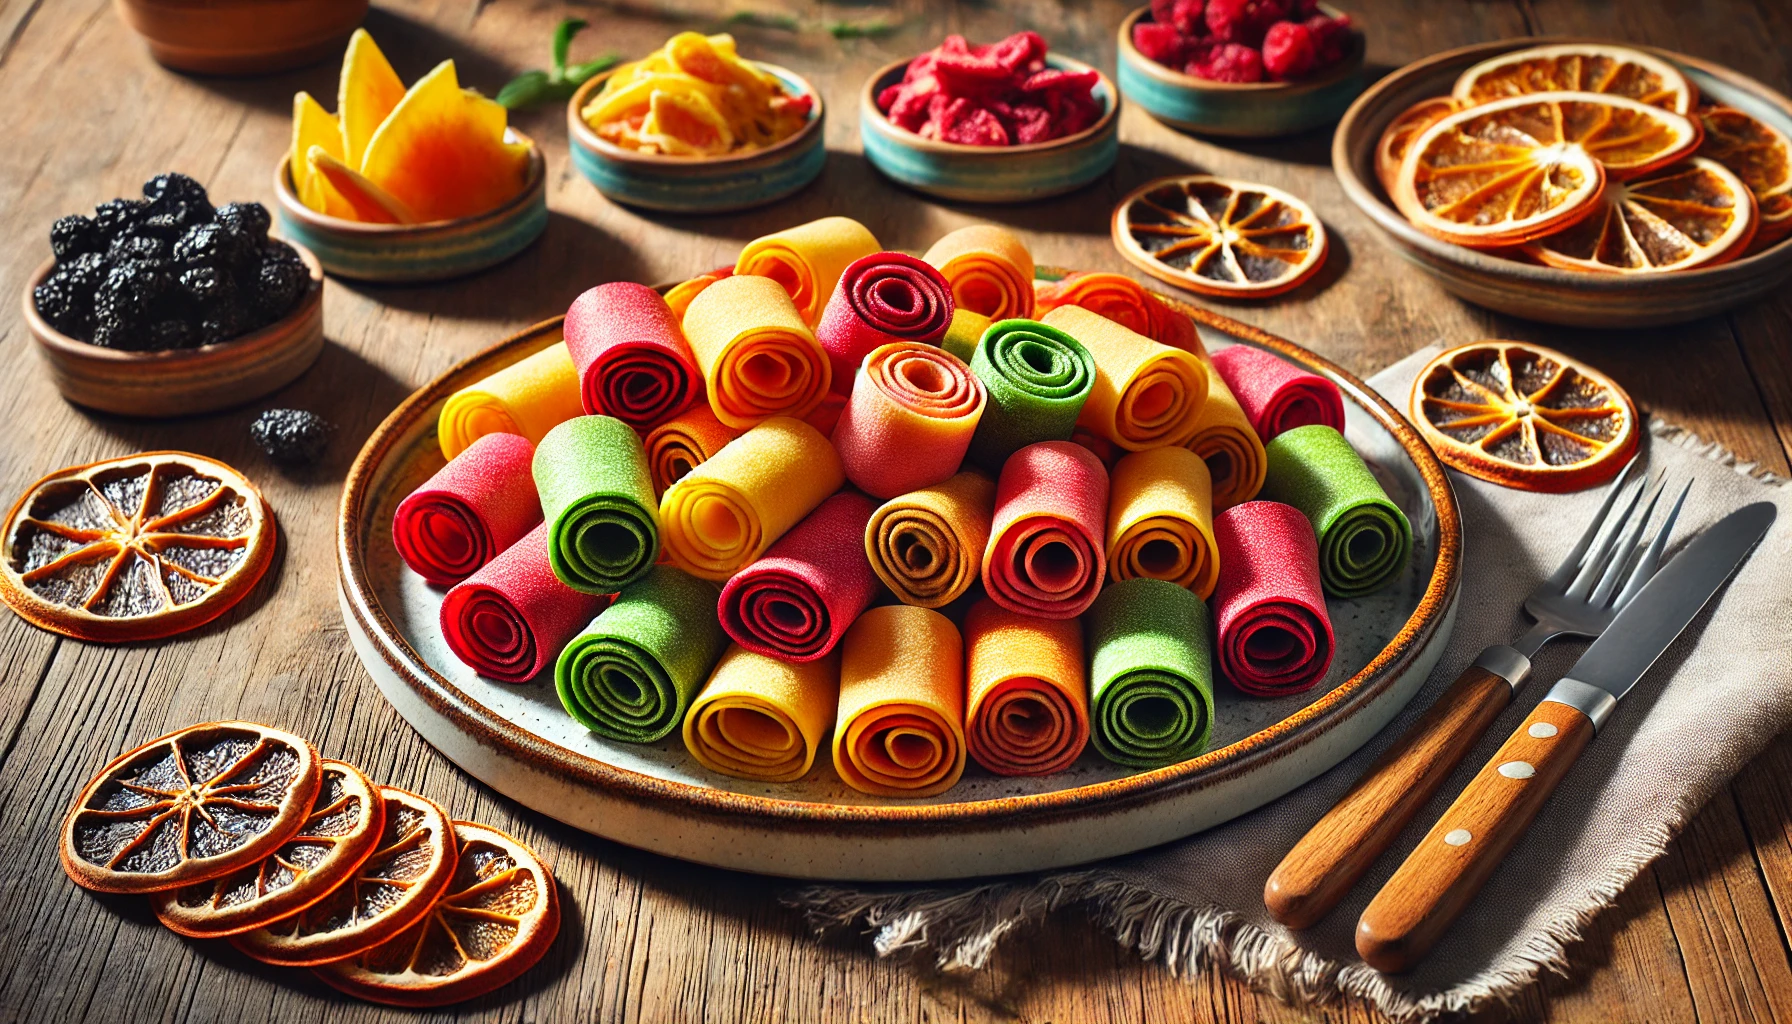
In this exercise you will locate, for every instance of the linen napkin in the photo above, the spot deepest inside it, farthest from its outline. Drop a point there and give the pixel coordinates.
(1713, 701)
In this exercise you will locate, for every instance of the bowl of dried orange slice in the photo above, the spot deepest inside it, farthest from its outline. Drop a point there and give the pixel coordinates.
(1577, 182)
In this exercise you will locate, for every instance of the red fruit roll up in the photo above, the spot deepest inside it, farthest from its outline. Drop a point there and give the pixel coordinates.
(910, 419)
(633, 361)
(1275, 637)
(1275, 394)
(883, 297)
(797, 602)
(511, 619)
(1045, 555)
(479, 504)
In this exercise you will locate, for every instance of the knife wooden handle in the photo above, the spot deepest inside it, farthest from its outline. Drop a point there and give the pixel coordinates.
(1330, 858)
(1450, 864)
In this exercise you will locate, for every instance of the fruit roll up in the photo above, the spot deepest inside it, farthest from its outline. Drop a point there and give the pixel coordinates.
(1160, 520)
(899, 730)
(1150, 673)
(629, 349)
(683, 443)
(884, 297)
(1126, 302)
(990, 270)
(910, 419)
(479, 504)
(510, 619)
(726, 512)
(1037, 378)
(1275, 636)
(679, 296)
(1275, 394)
(1364, 538)
(797, 601)
(807, 260)
(633, 671)
(763, 718)
(758, 357)
(965, 331)
(1045, 556)
(1146, 395)
(598, 500)
(1225, 438)
(527, 398)
(927, 545)
(1027, 691)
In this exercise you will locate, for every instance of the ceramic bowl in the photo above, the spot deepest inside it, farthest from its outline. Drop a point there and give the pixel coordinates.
(654, 181)
(184, 381)
(1240, 109)
(242, 37)
(418, 252)
(1567, 297)
(989, 174)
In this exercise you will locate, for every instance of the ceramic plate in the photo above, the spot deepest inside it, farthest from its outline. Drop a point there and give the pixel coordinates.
(518, 740)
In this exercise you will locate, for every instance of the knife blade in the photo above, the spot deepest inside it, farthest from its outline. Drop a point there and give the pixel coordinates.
(1470, 840)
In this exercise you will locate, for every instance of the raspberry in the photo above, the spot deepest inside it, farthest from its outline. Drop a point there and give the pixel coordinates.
(1189, 17)
(1331, 38)
(1242, 21)
(1229, 62)
(1289, 50)
(1158, 42)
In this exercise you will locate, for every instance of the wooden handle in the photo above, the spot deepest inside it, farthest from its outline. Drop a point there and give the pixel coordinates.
(1330, 858)
(1450, 864)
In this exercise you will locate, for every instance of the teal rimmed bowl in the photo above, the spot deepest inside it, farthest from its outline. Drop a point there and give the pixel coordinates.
(989, 174)
(417, 252)
(1240, 109)
(674, 184)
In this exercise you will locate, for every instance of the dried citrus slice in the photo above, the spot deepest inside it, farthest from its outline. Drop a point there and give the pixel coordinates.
(397, 883)
(1524, 416)
(1515, 169)
(1579, 67)
(1691, 214)
(135, 548)
(1400, 132)
(496, 920)
(345, 823)
(192, 805)
(1220, 237)
(1761, 155)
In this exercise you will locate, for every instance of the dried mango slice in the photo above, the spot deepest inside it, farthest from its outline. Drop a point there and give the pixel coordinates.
(686, 124)
(345, 193)
(695, 97)
(312, 125)
(370, 90)
(442, 151)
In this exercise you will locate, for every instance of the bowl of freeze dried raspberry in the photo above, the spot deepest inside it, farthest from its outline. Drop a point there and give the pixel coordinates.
(1242, 68)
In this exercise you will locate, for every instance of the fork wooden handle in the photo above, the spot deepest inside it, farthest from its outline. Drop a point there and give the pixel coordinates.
(1330, 858)
(1450, 864)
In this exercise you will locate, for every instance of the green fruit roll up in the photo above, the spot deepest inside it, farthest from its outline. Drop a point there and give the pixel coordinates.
(1037, 378)
(634, 671)
(597, 497)
(1150, 672)
(1364, 538)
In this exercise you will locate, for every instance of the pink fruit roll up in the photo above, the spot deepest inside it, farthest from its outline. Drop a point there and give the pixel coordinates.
(510, 620)
(883, 297)
(1275, 637)
(797, 602)
(1045, 545)
(633, 361)
(1275, 394)
(476, 506)
(910, 419)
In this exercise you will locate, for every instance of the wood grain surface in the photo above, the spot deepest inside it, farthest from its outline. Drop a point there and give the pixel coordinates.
(1699, 936)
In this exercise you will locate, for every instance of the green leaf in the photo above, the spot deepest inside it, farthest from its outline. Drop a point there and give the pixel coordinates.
(578, 74)
(524, 90)
(563, 42)
(782, 22)
(863, 29)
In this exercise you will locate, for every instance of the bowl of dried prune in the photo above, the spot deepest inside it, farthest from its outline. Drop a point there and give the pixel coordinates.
(168, 306)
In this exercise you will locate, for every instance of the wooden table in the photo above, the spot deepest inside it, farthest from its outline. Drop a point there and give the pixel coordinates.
(1699, 936)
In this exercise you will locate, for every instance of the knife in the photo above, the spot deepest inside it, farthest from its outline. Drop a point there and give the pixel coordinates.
(1470, 840)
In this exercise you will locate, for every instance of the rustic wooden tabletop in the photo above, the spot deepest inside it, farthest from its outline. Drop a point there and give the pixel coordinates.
(1699, 936)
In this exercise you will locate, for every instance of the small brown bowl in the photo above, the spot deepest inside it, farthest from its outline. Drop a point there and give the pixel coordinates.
(242, 37)
(183, 381)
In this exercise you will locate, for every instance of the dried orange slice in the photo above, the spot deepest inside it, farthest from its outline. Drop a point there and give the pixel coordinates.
(1761, 155)
(390, 890)
(1579, 67)
(496, 920)
(1400, 132)
(346, 819)
(1691, 214)
(1524, 416)
(135, 548)
(192, 805)
(1217, 236)
(1512, 170)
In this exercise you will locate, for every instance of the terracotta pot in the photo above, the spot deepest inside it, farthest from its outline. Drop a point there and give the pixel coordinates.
(242, 37)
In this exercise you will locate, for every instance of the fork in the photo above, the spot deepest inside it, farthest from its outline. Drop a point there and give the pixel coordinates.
(1605, 569)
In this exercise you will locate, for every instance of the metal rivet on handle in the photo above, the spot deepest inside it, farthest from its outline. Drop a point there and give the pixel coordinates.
(1517, 770)
(1542, 730)
(1458, 837)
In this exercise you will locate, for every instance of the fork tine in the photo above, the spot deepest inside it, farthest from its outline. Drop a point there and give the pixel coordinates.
(1593, 566)
(1627, 545)
(1570, 565)
(1651, 560)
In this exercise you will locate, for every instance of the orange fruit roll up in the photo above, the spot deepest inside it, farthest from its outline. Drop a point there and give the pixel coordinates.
(1127, 303)
(909, 420)
(762, 718)
(758, 357)
(1146, 394)
(679, 296)
(1225, 439)
(806, 261)
(927, 545)
(990, 270)
(1027, 691)
(683, 443)
(1160, 520)
(529, 398)
(899, 730)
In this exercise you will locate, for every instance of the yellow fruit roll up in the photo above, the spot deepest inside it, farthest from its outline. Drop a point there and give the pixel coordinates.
(763, 718)
(757, 355)
(528, 398)
(1028, 691)
(683, 443)
(927, 545)
(1234, 453)
(899, 730)
(1160, 520)
(725, 512)
(990, 270)
(1146, 394)
(807, 260)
